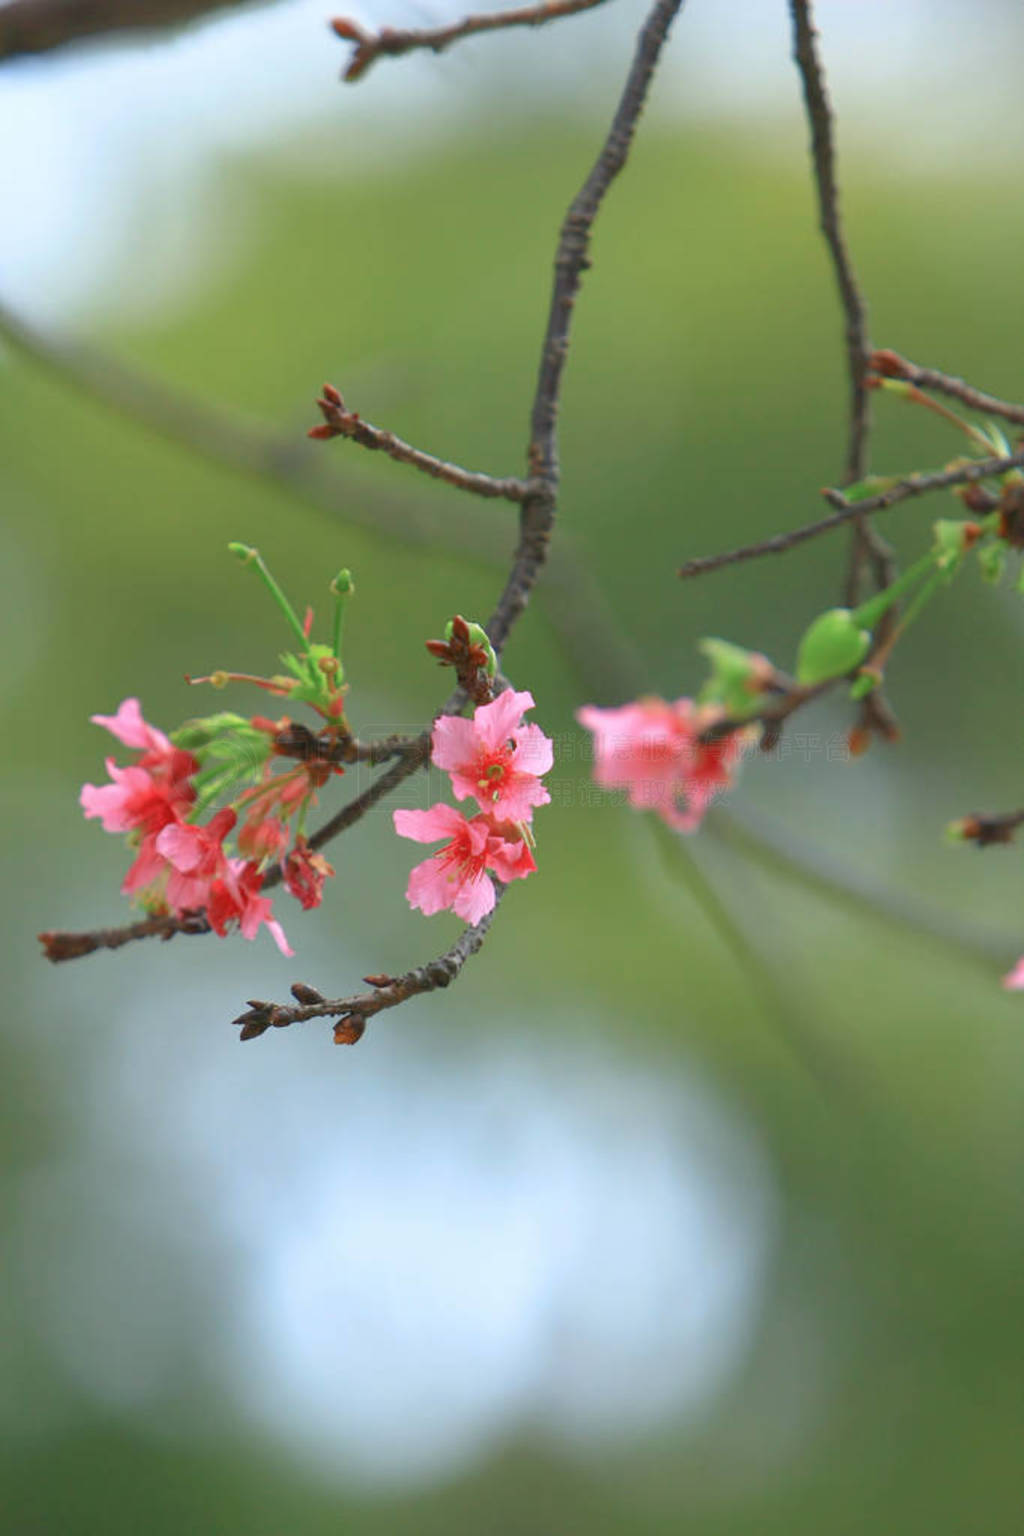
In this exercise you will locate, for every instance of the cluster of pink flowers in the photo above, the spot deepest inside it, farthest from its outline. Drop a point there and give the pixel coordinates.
(497, 761)
(655, 751)
(182, 866)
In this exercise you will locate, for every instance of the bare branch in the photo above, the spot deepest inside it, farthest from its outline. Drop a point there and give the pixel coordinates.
(38, 26)
(390, 41)
(867, 542)
(538, 513)
(890, 365)
(339, 422)
(72, 946)
(846, 511)
(387, 992)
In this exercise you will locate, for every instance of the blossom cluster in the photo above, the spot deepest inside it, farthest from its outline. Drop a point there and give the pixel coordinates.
(497, 761)
(661, 754)
(183, 865)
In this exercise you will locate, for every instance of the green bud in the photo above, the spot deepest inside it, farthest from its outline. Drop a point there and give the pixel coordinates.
(244, 552)
(737, 675)
(832, 646)
(343, 585)
(477, 636)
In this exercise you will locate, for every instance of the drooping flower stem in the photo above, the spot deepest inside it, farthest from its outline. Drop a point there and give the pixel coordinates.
(342, 587)
(250, 556)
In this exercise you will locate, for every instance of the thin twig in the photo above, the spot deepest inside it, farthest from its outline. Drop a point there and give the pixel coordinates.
(388, 992)
(339, 422)
(391, 41)
(38, 26)
(867, 543)
(538, 511)
(902, 490)
(890, 365)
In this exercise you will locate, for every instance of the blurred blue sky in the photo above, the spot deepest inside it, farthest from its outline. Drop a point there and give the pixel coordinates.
(108, 150)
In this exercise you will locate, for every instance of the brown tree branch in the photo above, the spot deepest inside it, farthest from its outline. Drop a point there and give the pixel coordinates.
(387, 991)
(890, 365)
(867, 543)
(538, 512)
(846, 511)
(38, 26)
(339, 422)
(391, 41)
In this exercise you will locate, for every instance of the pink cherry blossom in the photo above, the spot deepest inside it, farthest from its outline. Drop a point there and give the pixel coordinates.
(130, 728)
(304, 874)
(1014, 980)
(236, 898)
(135, 798)
(653, 750)
(456, 876)
(261, 839)
(495, 758)
(196, 857)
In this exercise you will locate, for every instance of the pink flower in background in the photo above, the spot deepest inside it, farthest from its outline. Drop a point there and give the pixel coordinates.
(236, 898)
(653, 750)
(456, 876)
(1014, 980)
(495, 758)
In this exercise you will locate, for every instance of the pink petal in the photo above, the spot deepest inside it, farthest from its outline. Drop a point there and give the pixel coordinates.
(495, 723)
(474, 898)
(1014, 980)
(534, 751)
(130, 728)
(181, 846)
(517, 799)
(430, 888)
(454, 742)
(429, 826)
(510, 860)
(277, 934)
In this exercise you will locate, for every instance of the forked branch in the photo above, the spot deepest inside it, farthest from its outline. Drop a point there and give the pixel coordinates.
(392, 41)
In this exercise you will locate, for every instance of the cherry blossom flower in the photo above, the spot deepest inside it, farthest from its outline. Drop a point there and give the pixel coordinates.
(1014, 980)
(152, 792)
(136, 798)
(130, 728)
(262, 839)
(235, 897)
(653, 750)
(495, 758)
(196, 857)
(456, 876)
(304, 874)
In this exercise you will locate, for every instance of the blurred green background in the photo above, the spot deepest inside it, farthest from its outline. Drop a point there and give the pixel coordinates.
(618, 1234)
